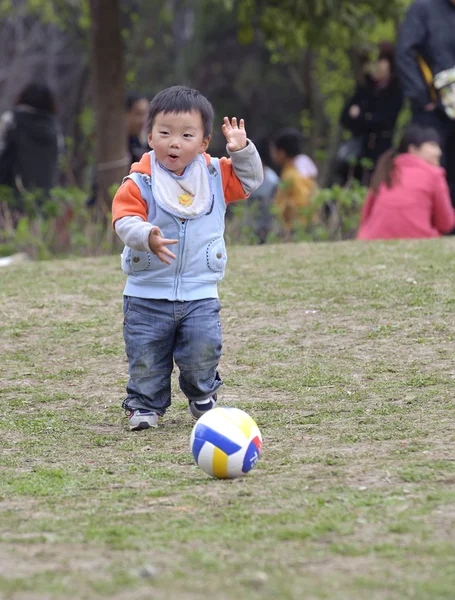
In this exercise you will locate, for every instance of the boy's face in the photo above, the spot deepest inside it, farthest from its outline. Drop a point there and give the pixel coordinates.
(177, 139)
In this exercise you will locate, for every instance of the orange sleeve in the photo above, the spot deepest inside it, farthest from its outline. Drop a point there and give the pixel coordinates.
(232, 186)
(128, 202)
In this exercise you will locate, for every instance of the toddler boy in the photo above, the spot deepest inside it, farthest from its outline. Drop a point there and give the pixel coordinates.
(176, 197)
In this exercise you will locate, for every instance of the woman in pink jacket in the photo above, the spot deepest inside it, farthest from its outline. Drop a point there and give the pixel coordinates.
(409, 196)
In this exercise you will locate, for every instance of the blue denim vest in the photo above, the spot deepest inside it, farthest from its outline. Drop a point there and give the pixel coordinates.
(201, 252)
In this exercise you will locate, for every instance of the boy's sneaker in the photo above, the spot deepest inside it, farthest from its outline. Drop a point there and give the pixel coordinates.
(197, 409)
(141, 418)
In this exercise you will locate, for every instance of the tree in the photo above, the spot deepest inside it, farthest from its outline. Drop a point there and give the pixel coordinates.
(332, 35)
(48, 37)
(109, 96)
(36, 47)
(276, 62)
(296, 23)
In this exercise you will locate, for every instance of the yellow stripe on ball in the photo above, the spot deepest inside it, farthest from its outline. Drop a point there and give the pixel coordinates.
(243, 421)
(219, 464)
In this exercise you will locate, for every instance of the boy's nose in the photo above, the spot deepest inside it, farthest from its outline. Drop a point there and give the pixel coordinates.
(174, 144)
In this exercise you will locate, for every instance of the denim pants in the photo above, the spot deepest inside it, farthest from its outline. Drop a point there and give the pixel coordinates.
(156, 333)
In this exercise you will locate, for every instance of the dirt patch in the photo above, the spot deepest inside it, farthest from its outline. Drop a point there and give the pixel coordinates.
(22, 561)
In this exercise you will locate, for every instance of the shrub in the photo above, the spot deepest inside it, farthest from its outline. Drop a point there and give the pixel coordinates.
(334, 214)
(57, 225)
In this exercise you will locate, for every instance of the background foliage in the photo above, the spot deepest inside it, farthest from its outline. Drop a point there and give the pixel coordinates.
(274, 62)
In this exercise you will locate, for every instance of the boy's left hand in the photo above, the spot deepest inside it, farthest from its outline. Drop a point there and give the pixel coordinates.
(234, 134)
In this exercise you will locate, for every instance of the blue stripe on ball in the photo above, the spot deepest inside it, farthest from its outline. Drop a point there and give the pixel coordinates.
(197, 447)
(251, 457)
(204, 434)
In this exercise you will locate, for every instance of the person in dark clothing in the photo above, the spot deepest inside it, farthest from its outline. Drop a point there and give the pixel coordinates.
(370, 115)
(426, 65)
(137, 107)
(261, 201)
(29, 141)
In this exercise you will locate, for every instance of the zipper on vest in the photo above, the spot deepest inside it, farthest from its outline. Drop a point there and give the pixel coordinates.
(180, 257)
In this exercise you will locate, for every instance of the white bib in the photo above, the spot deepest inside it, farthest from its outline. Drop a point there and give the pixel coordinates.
(186, 196)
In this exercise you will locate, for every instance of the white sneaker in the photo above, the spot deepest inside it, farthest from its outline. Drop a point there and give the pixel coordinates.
(197, 409)
(141, 418)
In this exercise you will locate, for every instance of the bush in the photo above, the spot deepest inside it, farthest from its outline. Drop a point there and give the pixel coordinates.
(334, 214)
(58, 225)
(339, 209)
(63, 224)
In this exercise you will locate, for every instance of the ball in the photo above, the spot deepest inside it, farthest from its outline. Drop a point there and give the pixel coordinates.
(226, 443)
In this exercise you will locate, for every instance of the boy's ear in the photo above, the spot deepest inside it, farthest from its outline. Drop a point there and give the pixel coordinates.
(149, 139)
(205, 143)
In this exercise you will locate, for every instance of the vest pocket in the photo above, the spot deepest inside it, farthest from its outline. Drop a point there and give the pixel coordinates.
(134, 261)
(216, 255)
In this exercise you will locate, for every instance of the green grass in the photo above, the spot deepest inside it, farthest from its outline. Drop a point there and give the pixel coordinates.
(344, 356)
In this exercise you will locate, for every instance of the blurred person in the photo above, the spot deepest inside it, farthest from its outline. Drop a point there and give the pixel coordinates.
(370, 115)
(30, 140)
(409, 196)
(262, 200)
(137, 106)
(426, 64)
(297, 179)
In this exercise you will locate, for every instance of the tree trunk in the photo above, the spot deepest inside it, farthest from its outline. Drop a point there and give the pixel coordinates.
(109, 95)
(183, 31)
(308, 85)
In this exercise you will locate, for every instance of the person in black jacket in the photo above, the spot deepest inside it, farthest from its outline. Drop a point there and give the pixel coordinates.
(428, 34)
(29, 142)
(370, 115)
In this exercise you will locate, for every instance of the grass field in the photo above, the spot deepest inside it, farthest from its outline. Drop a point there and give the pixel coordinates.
(343, 354)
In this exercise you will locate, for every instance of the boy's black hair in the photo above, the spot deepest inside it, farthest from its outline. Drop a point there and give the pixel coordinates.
(180, 99)
(132, 98)
(289, 140)
(38, 96)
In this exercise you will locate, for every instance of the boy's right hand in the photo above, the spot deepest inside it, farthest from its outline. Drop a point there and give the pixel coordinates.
(158, 245)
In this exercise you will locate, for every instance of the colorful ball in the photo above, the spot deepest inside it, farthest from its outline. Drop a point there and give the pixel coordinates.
(226, 443)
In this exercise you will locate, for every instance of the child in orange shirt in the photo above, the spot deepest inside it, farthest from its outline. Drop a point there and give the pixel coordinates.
(297, 181)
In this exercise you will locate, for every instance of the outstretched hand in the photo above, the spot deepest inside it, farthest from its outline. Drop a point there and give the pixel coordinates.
(235, 134)
(158, 245)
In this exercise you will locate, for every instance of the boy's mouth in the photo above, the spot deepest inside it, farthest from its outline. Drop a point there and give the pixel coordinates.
(173, 157)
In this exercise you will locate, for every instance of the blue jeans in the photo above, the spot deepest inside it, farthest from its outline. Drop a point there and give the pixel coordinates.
(156, 333)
